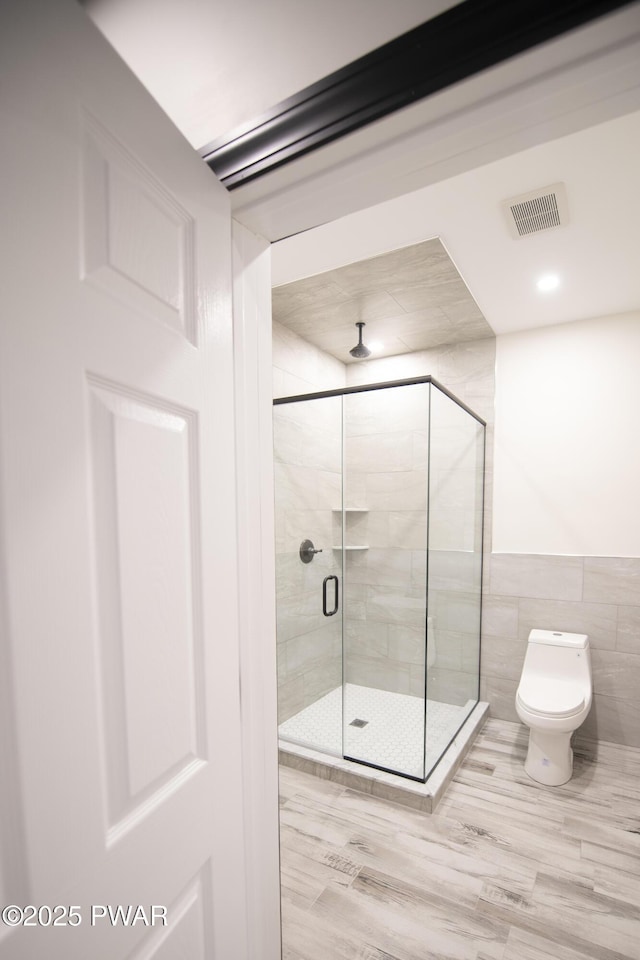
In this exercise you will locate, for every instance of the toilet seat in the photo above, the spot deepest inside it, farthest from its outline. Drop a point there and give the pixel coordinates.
(551, 697)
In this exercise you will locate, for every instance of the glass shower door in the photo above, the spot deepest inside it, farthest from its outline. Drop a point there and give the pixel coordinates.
(379, 496)
(455, 569)
(386, 444)
(308, 511)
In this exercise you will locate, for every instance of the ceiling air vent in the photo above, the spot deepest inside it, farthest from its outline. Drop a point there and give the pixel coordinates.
(538, 210)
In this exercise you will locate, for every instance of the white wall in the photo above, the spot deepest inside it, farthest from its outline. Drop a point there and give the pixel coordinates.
(567, 450)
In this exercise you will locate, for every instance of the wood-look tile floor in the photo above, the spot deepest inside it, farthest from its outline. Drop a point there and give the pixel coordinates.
(505, 869)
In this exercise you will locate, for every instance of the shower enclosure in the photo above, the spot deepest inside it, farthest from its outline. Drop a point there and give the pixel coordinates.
(379, 503)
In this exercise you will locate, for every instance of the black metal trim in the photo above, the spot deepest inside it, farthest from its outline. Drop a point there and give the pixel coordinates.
(376, 766)
(427, 564)
(336, 596)
(427, 773)
(363, 388)
(469, 37)
(483, 545)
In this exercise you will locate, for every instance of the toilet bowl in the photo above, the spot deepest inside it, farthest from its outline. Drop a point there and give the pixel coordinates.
(553, 699)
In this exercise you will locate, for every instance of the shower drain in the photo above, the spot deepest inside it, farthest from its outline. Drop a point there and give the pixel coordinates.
(358, 723)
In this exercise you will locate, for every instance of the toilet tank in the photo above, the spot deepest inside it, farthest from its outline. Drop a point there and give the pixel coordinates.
(554, 653)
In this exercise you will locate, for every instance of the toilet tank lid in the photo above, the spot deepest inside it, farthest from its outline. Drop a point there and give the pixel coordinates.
(557, 638)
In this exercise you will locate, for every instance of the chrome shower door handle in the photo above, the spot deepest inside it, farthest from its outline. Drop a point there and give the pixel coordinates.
(330, 613)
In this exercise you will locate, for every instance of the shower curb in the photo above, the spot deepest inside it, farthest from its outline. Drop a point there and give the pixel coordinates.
(388, 786)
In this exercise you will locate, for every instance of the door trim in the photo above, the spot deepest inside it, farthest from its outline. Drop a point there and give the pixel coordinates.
(251, 263)
(458, 43)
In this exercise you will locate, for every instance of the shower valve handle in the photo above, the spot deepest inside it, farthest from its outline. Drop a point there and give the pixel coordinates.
(308, 551)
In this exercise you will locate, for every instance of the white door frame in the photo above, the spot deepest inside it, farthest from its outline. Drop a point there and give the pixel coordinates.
(256, 578)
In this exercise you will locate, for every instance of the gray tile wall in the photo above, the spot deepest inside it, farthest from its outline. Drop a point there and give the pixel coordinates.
(467, 369)
(385, 637)
(599, 596)
(385, 472)
(307, 454)
(299, 367)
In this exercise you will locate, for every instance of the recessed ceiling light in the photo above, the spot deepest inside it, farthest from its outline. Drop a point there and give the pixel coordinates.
(550, 281)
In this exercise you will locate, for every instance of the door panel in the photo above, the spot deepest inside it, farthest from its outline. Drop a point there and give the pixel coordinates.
(121, 743)
(126, 212)
(146, 538)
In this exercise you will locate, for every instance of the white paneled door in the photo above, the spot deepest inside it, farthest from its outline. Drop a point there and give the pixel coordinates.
(121, 807)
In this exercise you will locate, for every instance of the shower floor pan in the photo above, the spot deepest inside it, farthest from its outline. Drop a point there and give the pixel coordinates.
(388, 727)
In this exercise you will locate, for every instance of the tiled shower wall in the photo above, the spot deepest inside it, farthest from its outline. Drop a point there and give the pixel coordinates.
(396, 651)
(386, 458)
(391, 461)
(455, 551)
(384, 639)
(307, 455)
(299, 367)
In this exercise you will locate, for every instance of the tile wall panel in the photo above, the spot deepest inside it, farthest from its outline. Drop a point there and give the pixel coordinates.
(307, 486)
(598, 596)
(612, 579)
(550, 578)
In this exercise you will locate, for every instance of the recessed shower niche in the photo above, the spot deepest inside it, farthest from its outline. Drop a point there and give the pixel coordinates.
(378, 620)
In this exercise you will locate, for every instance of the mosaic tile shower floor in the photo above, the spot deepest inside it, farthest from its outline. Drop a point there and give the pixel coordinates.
(392, 736)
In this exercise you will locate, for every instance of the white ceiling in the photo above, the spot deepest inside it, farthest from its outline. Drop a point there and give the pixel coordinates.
(214, 65)
(566, 111)
(596, 256)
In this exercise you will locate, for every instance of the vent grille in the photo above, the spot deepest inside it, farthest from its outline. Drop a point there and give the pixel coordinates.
(534, 215)
(539, 210)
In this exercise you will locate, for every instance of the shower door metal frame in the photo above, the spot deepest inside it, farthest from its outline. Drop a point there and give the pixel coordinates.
(365, 387)
(386, 385)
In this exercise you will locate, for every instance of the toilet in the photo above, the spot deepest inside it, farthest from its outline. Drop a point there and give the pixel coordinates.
(553, 699)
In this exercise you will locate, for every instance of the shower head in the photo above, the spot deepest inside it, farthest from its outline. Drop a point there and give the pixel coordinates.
(360, 351)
